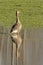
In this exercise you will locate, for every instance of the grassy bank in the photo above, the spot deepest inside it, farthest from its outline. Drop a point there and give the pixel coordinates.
(31, 12)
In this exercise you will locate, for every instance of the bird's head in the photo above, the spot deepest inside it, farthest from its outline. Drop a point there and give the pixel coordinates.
(17, 13)
(17, 16)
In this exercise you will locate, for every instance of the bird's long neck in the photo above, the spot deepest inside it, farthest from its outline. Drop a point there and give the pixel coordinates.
(17, 17)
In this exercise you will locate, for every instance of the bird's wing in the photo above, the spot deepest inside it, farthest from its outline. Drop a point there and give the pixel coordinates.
(13, 27)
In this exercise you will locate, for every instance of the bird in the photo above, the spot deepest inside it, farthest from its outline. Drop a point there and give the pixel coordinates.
(16, 28)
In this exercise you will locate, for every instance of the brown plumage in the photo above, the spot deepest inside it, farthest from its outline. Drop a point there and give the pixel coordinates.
(17, 26)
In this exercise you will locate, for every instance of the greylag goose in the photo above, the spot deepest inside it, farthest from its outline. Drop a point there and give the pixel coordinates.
(17, 26)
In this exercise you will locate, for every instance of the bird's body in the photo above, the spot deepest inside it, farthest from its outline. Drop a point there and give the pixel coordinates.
(16, 28)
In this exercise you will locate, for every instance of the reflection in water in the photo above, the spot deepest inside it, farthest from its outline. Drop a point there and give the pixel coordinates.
(17, 40)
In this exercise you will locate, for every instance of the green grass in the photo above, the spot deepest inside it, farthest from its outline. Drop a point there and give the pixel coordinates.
(31, 12)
